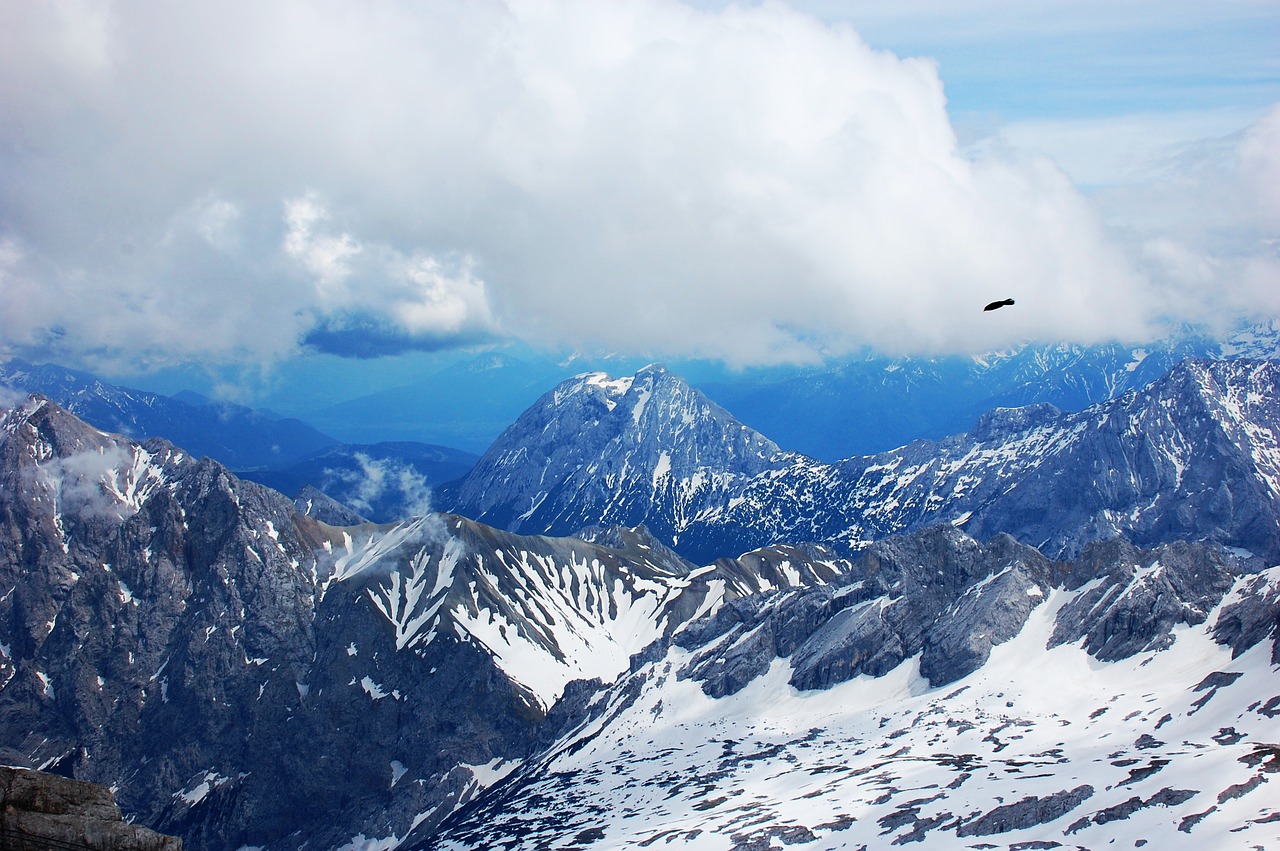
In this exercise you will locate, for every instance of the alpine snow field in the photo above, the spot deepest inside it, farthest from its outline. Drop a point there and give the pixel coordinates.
(644, 624)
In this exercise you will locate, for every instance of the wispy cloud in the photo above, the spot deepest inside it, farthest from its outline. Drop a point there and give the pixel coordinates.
(10, 398)
(380, 485)
(91, 484)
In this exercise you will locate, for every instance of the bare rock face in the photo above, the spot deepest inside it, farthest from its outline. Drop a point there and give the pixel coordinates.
(72, 813)
(937, 593)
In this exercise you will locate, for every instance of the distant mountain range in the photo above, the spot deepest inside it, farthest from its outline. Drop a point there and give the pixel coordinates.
(844, 407)
(237, 436)
(872, 404)
(384, 481)
(463, 406)
(1192, 457)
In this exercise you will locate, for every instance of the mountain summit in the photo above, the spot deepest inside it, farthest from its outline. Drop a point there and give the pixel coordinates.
(646, 449)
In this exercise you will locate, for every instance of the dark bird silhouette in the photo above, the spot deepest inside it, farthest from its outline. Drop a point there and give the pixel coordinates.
(997, 304)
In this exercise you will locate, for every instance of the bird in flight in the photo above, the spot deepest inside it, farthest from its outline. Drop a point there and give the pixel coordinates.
(998, 304)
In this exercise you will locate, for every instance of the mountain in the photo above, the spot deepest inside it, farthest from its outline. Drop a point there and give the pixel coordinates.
(944, 694)
(861, 406)
(246, 675)
(852, 405)
(383, 481)
(243, 674)
(314, 503)
(1194, 456)
(646, 449)
(846, 406)
(237, 436)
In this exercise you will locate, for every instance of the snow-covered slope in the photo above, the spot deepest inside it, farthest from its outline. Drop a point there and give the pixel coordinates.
(547, 611)
(1045, 744)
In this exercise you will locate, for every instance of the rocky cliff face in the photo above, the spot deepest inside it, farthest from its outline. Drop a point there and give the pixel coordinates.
(942, 598)
(152, 601)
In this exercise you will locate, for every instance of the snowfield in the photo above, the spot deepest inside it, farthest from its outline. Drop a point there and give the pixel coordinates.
(1172, 748)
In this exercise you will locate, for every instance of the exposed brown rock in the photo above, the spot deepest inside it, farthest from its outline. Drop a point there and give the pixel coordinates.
(39, 811)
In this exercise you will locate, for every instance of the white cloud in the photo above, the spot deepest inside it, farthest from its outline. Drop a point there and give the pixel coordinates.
(1260, 166)
(438, 302)
(382, 481)
(1205, 217)
(90, 483)
(233, 180)
(327, 258)
(10, 398)
(1119, 150)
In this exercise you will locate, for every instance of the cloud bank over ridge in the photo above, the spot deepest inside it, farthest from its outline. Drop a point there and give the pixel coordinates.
(239, 181)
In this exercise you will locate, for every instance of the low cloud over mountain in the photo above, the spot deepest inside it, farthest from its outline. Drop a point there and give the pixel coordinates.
(229, 183)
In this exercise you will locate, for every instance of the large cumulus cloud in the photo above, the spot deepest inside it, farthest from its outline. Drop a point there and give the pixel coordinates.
(240, 180)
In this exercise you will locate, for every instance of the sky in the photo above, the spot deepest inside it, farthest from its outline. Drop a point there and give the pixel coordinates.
(285, 188)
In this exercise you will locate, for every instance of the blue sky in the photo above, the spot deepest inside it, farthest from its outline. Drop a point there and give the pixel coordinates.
(1131, 77)
(354, 192)
(1083, 59)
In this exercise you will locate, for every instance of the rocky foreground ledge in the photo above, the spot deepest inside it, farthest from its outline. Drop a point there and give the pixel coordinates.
(40, 811)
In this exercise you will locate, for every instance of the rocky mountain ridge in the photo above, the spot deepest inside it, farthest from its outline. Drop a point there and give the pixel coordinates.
(250, 675)
(1128, 710)
(238, 669)
(1193, 456)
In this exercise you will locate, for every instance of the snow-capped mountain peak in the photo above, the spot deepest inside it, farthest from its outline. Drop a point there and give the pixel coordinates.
(599, 450)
